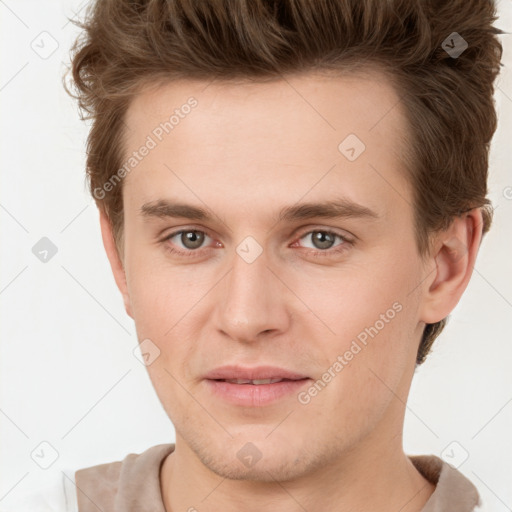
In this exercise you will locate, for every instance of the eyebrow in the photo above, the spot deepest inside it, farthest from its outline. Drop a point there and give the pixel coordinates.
(338, 208)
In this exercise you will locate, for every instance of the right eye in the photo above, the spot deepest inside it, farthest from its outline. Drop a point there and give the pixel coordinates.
(190, 239)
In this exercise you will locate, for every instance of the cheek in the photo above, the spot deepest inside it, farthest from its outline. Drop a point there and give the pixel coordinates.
(363, 371)
(371, 316)
(160, 294)
(354, 299)
(163, 311)
(171, 307)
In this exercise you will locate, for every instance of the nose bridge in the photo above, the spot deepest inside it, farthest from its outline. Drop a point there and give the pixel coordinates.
(251, 299)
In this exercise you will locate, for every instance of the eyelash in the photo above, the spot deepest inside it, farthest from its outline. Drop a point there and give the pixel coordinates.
(315, 253)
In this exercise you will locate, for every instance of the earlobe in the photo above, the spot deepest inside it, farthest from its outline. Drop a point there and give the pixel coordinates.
(116, 263)
(453, 262)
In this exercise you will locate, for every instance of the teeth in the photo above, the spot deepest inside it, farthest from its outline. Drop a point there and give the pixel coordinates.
(254, 381)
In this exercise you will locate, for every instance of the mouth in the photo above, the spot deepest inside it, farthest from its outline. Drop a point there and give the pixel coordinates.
(256, 382)
(255, 392)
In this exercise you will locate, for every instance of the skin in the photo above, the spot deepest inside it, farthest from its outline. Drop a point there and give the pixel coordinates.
(244, 152)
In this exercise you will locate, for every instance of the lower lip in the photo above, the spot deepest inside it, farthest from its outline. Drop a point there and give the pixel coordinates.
(255, 395)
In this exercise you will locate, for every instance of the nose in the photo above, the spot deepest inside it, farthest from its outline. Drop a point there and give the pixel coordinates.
(251, 302)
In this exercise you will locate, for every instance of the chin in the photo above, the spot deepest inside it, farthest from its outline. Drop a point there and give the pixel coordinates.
(268, 469)
(258, 457)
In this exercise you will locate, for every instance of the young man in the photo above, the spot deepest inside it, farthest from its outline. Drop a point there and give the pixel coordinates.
(292, 198)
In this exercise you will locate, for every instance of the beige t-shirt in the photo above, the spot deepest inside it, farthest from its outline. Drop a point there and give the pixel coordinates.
(133, 485)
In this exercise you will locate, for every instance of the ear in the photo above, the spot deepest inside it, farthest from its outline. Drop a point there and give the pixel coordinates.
(115, 261)
(453, 260)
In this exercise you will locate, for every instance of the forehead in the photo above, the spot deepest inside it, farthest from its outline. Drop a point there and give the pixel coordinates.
(330, 102)
(302, 134)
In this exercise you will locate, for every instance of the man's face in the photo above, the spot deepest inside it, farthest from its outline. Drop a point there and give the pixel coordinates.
(333, 299)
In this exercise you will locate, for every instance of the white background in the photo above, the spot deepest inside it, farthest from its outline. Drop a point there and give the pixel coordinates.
(68, 373)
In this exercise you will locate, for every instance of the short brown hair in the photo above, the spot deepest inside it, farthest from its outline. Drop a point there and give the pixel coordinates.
(126, 44)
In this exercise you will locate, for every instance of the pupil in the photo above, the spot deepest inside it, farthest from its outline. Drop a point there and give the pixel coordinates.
(192, 239)
(322, 238)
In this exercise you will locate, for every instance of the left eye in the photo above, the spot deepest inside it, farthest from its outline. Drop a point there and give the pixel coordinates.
(323, 240)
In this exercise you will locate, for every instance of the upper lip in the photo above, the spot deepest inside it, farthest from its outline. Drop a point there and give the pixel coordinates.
(257, 372)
